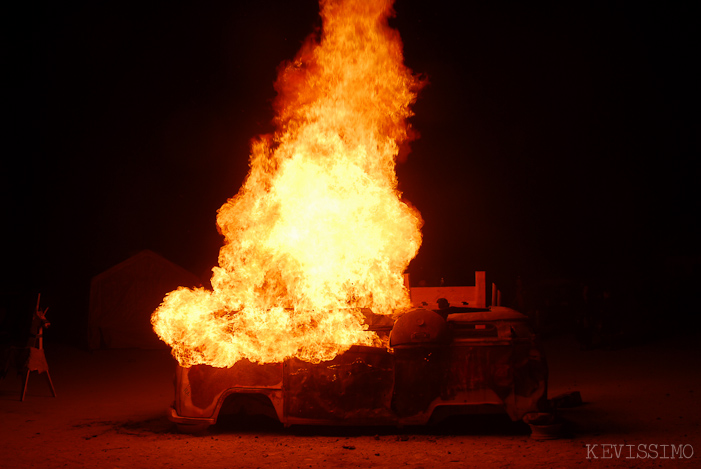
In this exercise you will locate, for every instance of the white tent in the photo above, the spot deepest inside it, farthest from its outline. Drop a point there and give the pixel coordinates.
(123, 298)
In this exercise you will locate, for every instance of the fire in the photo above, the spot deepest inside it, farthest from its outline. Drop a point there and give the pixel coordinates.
(318, 230)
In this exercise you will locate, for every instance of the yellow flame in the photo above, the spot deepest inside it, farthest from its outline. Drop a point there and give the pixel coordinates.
(318, 230)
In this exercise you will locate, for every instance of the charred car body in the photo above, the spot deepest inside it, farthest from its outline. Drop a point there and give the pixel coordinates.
(441, 362)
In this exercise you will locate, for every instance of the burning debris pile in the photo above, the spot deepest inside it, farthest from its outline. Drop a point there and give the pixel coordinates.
(318, 230)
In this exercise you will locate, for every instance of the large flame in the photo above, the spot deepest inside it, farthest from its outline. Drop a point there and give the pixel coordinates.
(318, 230)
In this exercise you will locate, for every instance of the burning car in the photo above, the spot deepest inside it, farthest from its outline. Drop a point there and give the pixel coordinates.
(441, 362)
(309, 317)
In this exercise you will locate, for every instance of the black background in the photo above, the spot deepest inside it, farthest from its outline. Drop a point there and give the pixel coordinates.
(558, 140)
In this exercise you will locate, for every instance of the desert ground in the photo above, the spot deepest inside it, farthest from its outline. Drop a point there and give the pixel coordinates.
(110, 412)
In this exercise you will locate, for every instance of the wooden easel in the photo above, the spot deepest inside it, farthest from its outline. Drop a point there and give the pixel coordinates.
(36, 360)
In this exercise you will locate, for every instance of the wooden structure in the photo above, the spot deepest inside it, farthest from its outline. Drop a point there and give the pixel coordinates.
(33, 353)
(471, 296)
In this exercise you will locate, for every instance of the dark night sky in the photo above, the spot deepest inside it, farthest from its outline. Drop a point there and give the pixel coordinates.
(557, 138)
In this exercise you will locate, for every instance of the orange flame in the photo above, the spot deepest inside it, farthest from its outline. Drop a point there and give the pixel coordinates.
(318, 230)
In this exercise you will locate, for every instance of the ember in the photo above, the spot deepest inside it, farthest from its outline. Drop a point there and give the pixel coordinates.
(318, 230)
